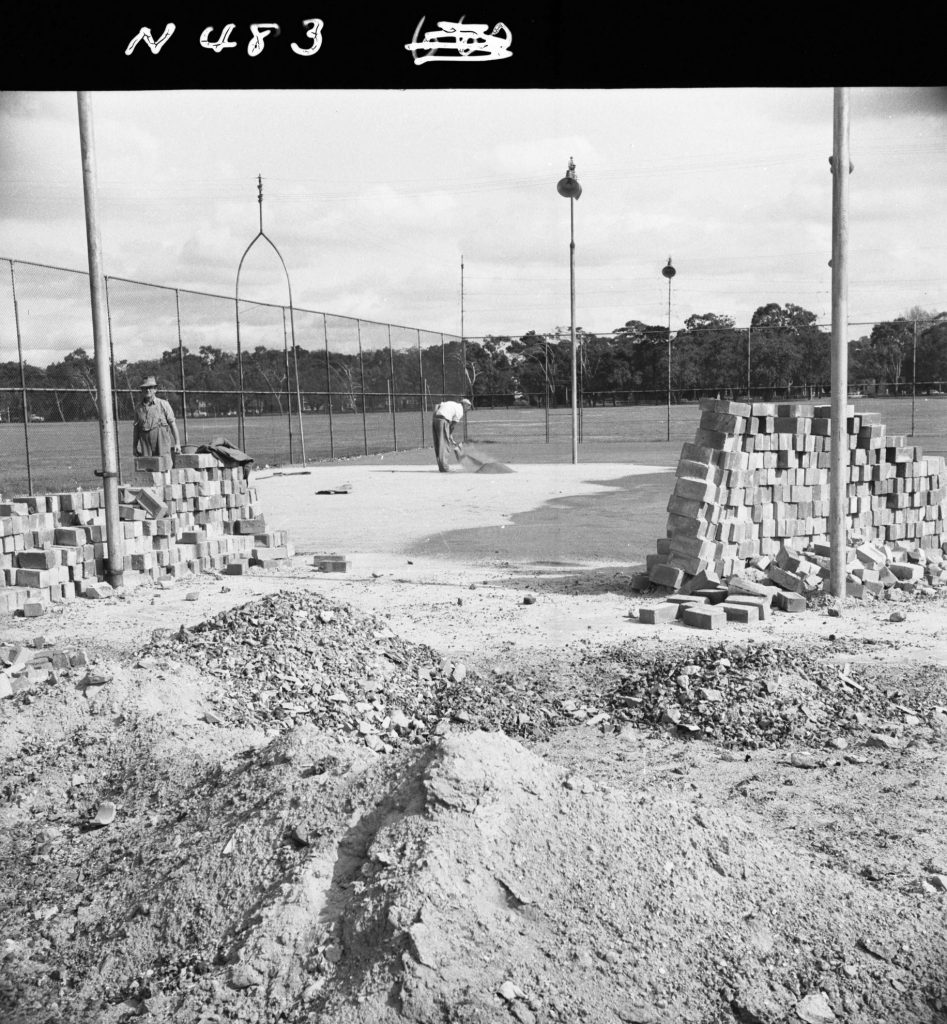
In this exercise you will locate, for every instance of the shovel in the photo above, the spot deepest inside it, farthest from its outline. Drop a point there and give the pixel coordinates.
(472, 460)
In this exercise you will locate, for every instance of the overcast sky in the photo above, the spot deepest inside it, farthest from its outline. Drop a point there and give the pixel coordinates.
(373, 196)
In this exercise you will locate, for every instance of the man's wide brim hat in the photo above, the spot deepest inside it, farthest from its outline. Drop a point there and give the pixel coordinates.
(148, 382)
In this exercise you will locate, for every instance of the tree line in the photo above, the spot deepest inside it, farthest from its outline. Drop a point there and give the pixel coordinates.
(782, 353)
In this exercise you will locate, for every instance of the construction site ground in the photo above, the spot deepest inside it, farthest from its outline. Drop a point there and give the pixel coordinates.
(485, 808)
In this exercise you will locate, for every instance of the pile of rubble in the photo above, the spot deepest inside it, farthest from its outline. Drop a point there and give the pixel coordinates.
(768, 696)
(291, 658)
(24, 667)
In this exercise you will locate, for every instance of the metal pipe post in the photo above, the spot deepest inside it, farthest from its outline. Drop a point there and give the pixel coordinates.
(749, 344)
(26, 408)
(361, 370)
(113, 526)
(177, 303)
(913, 375)
(391, 391)
(420, 385)
(575, 406)
(289, 393)
(838, 491)
(325, 335)
(241, 408)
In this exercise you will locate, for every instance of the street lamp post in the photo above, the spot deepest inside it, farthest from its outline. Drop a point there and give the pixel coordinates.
(669, 272)
(569, 188)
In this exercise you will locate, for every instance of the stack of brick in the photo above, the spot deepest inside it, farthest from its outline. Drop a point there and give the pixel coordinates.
(184, 514)
(753, 488)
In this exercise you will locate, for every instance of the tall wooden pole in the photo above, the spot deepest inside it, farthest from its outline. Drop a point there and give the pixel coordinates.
(838, 491)
(107, 437)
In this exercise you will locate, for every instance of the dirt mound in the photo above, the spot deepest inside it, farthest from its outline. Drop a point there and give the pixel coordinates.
(265, 865)
(309, 879)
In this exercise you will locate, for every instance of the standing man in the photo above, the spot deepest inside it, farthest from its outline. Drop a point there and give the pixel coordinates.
(156, 433)
(446, 416)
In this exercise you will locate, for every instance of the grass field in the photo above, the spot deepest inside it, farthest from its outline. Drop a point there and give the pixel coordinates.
(65, 456)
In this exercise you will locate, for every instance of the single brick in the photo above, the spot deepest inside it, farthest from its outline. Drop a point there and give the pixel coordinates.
(685, 599)
(332, 564)
(34, 608)
(666, 576)
(153, 463)
(71, 536)
(657, 614)
(246, 526)
(37, 558)
(789, 602)
(742, 612)
(701, 617)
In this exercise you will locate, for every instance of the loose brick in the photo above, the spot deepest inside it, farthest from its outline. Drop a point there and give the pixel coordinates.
(41, 558)
(788, 602)
(666, 576)
(659, 613)
(736, 612)
(704, 617)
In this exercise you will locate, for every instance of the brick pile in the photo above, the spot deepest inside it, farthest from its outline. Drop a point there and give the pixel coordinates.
(183, 514)
(752, 491)
(23, 667)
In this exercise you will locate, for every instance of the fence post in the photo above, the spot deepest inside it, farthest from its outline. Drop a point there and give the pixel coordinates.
(391, 391)
(177, 305)
(289, 393)
(443, 367)
(241, 409)
(325, 335)
(420, 385)
(26, 412)
(581, 395)
(299, 397)
(749, 394)
(361, 371)
(546, 383)
(913, 376)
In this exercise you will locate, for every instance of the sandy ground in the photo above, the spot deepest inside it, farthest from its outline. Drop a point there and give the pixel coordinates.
(601, 874)
(415, 538)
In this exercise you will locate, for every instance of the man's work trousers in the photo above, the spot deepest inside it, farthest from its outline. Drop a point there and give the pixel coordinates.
(442, 442)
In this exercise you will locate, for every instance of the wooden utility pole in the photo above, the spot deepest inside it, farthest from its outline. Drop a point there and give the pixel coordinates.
(838, 491)
(109, 442)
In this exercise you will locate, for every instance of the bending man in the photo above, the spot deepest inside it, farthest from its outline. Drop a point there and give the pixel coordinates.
(446, 416)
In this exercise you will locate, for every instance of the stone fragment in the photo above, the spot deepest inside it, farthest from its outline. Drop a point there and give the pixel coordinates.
(105, 814)
(814, 1009)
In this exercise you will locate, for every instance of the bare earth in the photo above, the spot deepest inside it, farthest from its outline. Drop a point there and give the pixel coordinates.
(577, 867)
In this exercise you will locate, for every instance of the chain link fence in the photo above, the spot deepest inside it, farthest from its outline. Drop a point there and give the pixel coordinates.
(291, 385)
(287, 385)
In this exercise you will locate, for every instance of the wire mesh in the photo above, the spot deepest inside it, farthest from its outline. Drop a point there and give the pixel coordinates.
(294, 385)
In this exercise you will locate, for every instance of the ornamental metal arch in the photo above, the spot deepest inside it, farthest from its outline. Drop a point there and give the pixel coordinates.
(241, 422)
